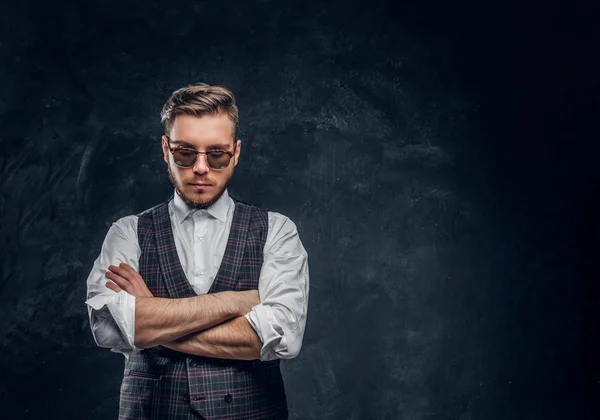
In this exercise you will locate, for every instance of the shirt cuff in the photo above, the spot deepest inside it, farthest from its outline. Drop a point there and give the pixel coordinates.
(98, 301)
(121, 306)
(270, 333)
(124, 352)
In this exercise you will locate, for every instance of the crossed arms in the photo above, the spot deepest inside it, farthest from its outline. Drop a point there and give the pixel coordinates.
(210, 325)
(224, 325)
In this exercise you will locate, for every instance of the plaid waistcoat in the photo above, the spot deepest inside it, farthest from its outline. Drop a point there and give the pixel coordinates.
(160, 383)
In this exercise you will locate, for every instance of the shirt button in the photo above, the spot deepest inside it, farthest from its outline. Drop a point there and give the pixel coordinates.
(198, 272)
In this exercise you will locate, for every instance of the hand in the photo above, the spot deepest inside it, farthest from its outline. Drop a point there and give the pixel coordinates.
(126, 278)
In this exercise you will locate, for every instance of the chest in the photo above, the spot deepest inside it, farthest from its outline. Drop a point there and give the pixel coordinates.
(232, 250)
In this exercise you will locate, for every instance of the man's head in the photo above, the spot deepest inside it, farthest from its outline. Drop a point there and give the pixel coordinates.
(203, 118)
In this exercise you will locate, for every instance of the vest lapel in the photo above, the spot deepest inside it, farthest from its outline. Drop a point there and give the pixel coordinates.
(176, 282)
(226, 277)
(174, 277)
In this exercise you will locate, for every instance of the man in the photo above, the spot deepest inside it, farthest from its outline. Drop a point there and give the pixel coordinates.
(203, 294)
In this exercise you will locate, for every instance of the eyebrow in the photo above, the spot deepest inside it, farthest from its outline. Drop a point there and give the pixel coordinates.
(185, 143)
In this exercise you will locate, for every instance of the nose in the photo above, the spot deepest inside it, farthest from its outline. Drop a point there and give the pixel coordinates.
(201, 164)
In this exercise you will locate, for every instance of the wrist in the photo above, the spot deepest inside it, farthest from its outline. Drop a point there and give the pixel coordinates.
(238, 303)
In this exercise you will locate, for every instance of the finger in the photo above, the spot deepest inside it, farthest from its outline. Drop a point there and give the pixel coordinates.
(120, 281)
(129, 269)
(121, 272)
(112, 286)
(134, 276)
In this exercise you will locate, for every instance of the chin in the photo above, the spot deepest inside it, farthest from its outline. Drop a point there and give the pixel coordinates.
(195, 198)
(198, 199)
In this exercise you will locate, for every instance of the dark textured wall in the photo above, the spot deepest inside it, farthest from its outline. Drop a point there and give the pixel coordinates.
(437, 159)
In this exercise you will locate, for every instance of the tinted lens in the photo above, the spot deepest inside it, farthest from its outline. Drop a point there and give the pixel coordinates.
(187, 158)
(184, 157)
(218, 160)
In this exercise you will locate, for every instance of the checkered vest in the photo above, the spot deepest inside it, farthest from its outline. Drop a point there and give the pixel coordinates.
(160, 383)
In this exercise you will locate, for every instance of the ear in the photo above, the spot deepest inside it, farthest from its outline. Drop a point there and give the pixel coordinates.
(165, 149)
(238, 148)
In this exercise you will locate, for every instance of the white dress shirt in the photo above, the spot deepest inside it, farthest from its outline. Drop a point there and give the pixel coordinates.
(200, 238)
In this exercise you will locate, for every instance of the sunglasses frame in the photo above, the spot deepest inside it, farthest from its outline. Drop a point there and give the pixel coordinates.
(189, 149)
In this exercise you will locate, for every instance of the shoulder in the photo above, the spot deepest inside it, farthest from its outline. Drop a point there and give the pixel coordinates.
(121, 240)
(122, 236)
(278, 221)
(147, 212)
(129, 224)
(283, 237)
(125, 226)
(258, 215)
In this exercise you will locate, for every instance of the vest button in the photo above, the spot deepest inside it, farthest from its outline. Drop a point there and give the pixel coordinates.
(228, 398)
(192, 363)
(186, 397)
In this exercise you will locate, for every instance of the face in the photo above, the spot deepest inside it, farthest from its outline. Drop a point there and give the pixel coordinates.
(202, 134)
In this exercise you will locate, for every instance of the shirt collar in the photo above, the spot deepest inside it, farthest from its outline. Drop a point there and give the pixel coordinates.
(218, 209)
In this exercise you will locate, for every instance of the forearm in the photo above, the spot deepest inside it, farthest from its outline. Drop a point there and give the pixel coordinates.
(159, 320)
(233, 339)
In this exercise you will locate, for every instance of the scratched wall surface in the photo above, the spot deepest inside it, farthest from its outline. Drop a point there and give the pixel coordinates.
(434, 158)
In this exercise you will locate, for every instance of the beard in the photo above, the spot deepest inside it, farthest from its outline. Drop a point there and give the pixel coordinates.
(194, 202)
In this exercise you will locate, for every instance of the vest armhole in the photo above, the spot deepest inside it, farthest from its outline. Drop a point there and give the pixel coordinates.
(254, 209)
(240, 201)
(147, 212)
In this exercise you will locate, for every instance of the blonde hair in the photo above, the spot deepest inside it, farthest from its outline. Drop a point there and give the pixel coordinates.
(198, 100)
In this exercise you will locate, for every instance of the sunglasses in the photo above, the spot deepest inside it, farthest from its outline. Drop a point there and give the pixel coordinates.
(185, 157)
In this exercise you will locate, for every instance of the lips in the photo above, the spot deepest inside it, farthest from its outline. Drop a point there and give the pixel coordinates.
(201, 187)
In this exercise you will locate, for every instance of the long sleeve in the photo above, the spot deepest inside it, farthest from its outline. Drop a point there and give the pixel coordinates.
(111, 314)
(280, 318)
